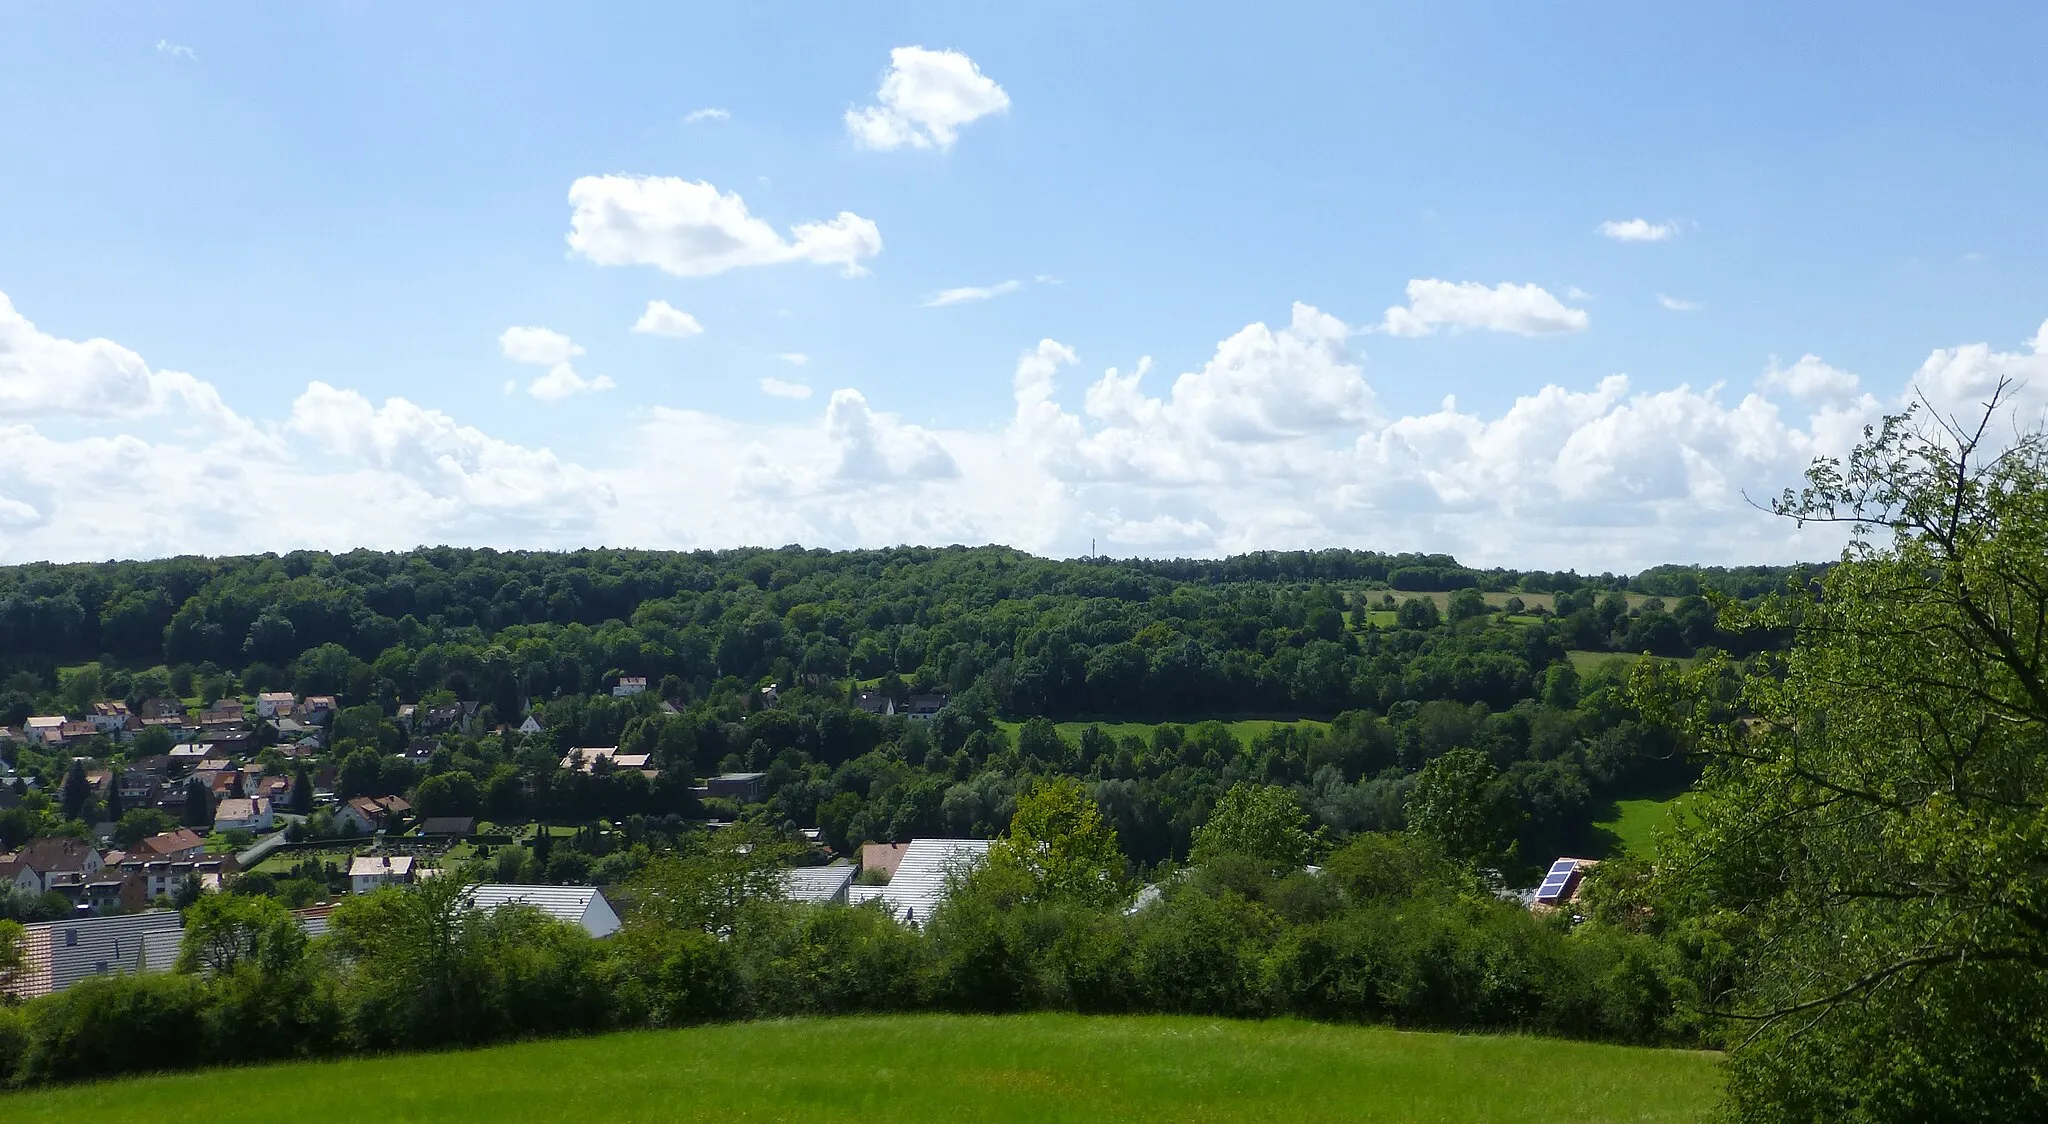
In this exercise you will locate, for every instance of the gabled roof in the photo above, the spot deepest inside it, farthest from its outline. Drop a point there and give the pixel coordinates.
(577, 905)
(55, 853)
(919, 884)
(171, 842)
(396, 866)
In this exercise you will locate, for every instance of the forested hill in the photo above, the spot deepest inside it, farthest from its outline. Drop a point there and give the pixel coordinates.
(1299, 632)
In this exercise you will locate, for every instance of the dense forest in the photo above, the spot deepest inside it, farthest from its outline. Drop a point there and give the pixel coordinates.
(1406, 656)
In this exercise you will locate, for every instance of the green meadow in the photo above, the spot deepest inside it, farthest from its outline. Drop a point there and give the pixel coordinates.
(942, 1070)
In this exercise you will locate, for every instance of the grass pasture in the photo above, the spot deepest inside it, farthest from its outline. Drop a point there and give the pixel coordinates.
(944, 1070)
(1634, 824)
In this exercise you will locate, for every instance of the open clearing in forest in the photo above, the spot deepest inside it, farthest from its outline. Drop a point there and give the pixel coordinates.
(944, 1070)
(1635, 823)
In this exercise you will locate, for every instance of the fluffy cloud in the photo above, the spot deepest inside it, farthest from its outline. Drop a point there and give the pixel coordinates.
(537, 345)
(561, 381)
(926, 96)
(969, 293)
(1276, 440)
(1638, 230)
(777, 388)
(692, 229)
(1676, 304)
(706, 114)
(175, 50)
(661, 319)
(1525, 310)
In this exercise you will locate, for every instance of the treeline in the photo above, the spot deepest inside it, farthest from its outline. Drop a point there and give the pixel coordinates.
(1388, 931)
(1258, 633)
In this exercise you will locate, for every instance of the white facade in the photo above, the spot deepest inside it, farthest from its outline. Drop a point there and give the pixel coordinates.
(273, 704)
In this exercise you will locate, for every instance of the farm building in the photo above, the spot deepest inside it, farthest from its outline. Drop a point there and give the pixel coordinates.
(919, 884)
(577, 905)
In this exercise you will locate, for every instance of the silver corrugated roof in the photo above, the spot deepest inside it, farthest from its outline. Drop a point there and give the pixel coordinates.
(578, 905)
(919, 884)
(819, 884)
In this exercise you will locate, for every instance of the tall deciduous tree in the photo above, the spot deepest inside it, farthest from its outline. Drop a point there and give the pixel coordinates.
(1458, 804)
(1261, 822)
(1062, 846)
(1873, 830)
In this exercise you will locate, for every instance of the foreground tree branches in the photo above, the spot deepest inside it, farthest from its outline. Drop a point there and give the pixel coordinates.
(1873, 830)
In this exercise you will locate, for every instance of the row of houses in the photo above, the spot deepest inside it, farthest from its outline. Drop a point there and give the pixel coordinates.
(225, 721)
(114, 880)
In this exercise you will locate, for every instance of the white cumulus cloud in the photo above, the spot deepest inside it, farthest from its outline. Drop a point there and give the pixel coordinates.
(709, 113)
(561, 381)
(777, 388)
(691, 229)
(175, 50)
(1638, 230)
(662, 319)
(537, 345)
(969, 293)
(1275, 440)
(1675, 304)
(926, 96)
(1525, 310)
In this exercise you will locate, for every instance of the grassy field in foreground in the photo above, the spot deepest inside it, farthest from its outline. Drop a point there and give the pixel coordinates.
(1243, 729)
(945, 1070)
(1635, 823)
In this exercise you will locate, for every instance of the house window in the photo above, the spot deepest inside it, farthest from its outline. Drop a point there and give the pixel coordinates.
(70, 938)
(99, 966)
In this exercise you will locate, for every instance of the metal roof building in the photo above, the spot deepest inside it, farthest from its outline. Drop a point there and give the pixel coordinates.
(57, 954)
(919, 884)
(822, 885)
(578, 905)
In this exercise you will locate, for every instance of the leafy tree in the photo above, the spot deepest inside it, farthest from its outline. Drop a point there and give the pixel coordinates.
(1466, 604)
(223, 931)
(11, 951)
(198, 809)
(1457, 803)
(1264, 823)
(1418, 613)
(302, 792)
(76, 794)
(1870, 834)
(1061, 846)
(138, 824)
(707, 885)
(449, 794)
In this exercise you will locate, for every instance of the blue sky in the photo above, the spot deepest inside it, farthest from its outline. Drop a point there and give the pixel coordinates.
(304, 230)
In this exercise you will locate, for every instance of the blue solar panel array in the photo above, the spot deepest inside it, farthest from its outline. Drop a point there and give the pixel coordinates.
(1554, 883)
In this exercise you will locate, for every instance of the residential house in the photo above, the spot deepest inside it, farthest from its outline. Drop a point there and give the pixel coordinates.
(140, 788)
(771, 694)
(250, 813)
(18, 876)
(163, 708)
(228, 709)
(60, 862)
(1561, 883)
(585, 760)
(820, 885)
(111, 717)
(47, 729)
(275, 704)
(370, 872)
(147, 877)
(277, 790)
(419, 751)
(318, 709)
(183, 843)
(578, 905)
(919, 883)
(924, 708)
(743, 787)
(372, 813)
(186, 756)
(629, 685)
(82, 730)
(875, 702)
(531, 726)
(58, 954)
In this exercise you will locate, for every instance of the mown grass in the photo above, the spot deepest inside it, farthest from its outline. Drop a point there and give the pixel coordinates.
(945, 1070)
(1635, 824)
